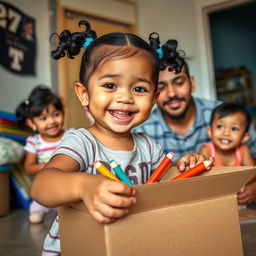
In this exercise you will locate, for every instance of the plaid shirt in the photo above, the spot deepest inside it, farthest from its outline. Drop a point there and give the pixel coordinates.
(158, 129)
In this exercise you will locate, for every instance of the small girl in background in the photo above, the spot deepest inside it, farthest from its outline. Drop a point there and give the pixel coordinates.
(42, 112)
(118, 86)
(229, 126)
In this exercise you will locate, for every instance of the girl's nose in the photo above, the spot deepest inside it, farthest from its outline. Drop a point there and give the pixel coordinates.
(124, 97)
(226, 131)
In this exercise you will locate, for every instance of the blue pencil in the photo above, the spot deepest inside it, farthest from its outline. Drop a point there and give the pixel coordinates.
(120, 173)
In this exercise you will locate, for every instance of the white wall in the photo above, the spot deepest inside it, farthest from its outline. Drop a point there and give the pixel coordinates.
(175, 19)
(171, 19)
(14, 88)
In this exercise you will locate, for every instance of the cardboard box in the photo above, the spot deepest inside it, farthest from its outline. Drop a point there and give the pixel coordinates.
(197, 216)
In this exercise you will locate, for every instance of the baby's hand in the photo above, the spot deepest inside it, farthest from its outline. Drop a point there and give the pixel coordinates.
(189, 160)
(106, 199)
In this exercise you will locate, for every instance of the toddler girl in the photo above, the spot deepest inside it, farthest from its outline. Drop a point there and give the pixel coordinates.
(43, 112)
(118, 86)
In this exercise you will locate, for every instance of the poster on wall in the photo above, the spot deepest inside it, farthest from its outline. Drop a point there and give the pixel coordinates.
(17, 40)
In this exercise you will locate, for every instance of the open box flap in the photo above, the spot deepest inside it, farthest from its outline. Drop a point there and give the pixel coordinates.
(228, 180)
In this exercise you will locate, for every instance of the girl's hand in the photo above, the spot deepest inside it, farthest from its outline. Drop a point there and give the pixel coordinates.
(189, 160)
(247, 194)
(106, 199)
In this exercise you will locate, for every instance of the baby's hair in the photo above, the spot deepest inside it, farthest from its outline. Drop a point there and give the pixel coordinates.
(168, 54)
(100, 50)
(39, 100)
(229, 108)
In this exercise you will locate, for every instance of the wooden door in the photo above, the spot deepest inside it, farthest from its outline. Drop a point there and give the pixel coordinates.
(75, 116)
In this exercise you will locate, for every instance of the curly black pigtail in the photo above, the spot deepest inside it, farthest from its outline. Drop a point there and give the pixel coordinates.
(70, 44)
(172, 56)
(168, 54)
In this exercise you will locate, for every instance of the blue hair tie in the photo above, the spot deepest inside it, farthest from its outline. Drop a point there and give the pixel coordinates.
(87, 42)
(160, 51)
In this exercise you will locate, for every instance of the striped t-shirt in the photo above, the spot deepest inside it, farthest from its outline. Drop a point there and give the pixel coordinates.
(41, 148)
(82, 146)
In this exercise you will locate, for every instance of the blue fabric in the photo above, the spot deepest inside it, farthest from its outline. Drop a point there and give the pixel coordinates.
(158, 130)
(5, 167)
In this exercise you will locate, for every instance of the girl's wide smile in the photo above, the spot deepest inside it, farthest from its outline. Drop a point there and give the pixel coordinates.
(121, 115)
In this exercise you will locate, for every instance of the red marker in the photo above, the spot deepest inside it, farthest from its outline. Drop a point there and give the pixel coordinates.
(194, 171)
(160, 168)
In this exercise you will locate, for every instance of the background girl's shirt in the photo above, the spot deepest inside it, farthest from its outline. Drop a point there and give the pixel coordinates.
(138, 164)
(43, 149)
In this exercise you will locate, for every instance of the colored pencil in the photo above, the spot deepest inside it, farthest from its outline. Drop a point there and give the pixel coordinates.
(104, 170)
(193, 171)
(161, 168)
(120, 173)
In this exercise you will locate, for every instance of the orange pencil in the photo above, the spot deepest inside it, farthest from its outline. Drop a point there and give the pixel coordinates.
(161, 168)
(193, 171)
(104, 171)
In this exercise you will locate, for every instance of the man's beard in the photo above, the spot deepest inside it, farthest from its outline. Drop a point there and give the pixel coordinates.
(180, 115)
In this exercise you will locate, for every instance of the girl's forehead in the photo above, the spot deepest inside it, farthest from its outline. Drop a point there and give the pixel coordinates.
(236, 116)
(48, 109)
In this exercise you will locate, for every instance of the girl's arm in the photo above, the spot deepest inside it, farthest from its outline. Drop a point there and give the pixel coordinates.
(247, 193)
(59, 183)
(31, 165)
(247, 156)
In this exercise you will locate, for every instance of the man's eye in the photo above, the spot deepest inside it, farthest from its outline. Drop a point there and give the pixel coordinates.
(160, 88)
(109, 86)
(140, 89)
(179, 82)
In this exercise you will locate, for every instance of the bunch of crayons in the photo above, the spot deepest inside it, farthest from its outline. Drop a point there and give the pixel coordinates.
(162, 167)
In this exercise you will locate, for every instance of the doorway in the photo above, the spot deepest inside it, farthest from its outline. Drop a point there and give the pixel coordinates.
(234, 52)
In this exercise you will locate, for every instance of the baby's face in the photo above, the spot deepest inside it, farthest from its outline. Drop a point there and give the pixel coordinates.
(227, 132)
(121, 94)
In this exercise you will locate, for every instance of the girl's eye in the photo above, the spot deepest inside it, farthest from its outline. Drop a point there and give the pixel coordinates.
(42, 118)
(56, 114)
(140, 89)
(219, 126)
(234, 129)
(110, 86)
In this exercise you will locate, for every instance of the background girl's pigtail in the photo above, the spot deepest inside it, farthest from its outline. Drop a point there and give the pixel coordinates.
(69, 43)
(21, 113)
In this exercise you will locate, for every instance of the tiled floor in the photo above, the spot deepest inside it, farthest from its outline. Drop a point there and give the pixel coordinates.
(19, 238)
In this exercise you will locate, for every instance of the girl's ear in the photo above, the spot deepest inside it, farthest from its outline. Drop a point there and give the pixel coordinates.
(82, 93)
(246, 137)
(209, 131)
(31, 124)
